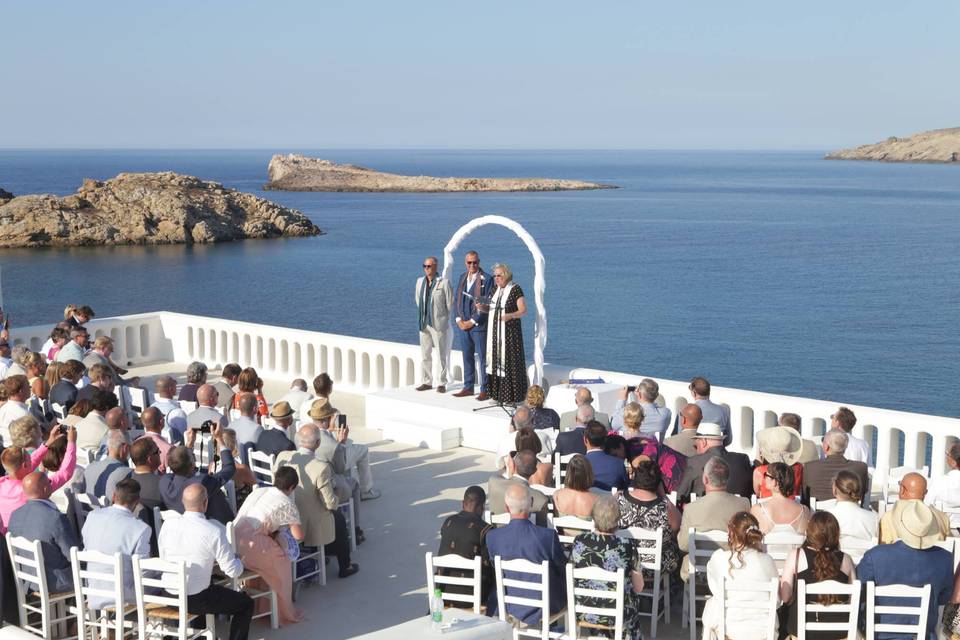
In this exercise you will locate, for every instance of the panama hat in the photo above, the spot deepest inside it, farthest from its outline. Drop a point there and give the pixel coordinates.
(281, 410)
(916, 524)
(709, 430)
(780, 444)
(321, 409)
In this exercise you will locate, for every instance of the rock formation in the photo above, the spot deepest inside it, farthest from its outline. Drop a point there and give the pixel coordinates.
(5, 196)
(300, 173)
(146, 208)
(939, 145)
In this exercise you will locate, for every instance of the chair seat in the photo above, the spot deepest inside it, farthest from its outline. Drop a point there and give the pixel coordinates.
(59, 595)
(127, 608)
(166, 613)
(594, 625)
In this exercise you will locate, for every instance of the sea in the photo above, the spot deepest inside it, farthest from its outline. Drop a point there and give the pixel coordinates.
(772, 271)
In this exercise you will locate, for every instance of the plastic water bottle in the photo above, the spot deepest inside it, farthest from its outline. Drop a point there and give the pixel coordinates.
(436, 610)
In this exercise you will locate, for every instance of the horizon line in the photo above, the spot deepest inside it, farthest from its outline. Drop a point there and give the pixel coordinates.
(467, 148)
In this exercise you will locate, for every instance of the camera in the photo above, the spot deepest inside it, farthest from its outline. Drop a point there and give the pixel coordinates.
(207, 426)
(631, 389)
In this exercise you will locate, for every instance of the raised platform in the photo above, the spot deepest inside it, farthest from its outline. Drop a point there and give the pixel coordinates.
(435, 420)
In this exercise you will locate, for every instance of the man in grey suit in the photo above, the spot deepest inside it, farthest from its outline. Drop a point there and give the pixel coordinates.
(526, 465)
(568, 420)
(434, 299)
(713, 511)
(332, 450)
(712, 412)
(39, 519)
(709, 442)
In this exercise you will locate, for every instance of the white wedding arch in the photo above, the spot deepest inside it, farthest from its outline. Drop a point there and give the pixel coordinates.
(539, 283)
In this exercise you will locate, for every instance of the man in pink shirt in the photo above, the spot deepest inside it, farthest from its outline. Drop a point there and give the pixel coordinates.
(152, 419)
(18, 463)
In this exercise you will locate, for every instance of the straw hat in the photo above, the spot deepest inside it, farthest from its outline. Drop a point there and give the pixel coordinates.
(780, 444)
(321, 409)
(709, 431)
(281, 410)
(916, 524)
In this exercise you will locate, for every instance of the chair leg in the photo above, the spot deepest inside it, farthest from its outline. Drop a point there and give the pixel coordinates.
(323, 566)
(655, 608)
(666, 598)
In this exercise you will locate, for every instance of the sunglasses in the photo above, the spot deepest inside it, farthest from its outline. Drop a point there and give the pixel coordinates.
(473, 262)
(429, 266)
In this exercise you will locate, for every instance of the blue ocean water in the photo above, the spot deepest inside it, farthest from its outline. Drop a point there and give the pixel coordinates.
(778, 272)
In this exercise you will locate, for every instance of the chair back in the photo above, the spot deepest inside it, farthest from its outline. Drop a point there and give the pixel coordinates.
(503, 519)
(26, 559)
(261, 464)
(188, 407)
(162, 515)
(160, 584)
(58, 411)
(80, 504)
(649, 543)
(99, 575)
(899, 591)
(849, 605)
(540, 588)
(856, 547)
(701, 546)
(613, 594)
(458, 564)
(780, 544)
(568, 527)
(139, 400)
(560, 468)
(951, 545)
(749, 595)
(822, 505)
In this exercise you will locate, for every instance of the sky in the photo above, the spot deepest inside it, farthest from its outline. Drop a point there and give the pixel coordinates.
(526, 74)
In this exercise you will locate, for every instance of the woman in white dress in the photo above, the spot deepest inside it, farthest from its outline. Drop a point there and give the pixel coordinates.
(743, 561)
(856, 523)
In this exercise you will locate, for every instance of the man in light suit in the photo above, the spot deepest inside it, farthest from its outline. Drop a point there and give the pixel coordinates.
(333, 448)
(583, 396)
(434, 299)
(521, 539)
(39, 519)
(471, 332)
(316, 500)
(526, 465)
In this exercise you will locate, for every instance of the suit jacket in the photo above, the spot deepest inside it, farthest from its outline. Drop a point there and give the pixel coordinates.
(683, 442)
(741, 473)
(109, 531)
(331, 451)
(570, 442)
(273, 441)
(63, 393)
(93, 358)
(521, 539)
(172, 486)
(711, 512)
(608, 471)
(568, 420)
(497, 489)
(463, 306)
(314, 496)
(818, 476)
(225, 399)
(41, 520)
(441, 301)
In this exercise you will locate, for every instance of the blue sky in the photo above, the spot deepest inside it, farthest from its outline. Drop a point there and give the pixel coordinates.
(520, 74)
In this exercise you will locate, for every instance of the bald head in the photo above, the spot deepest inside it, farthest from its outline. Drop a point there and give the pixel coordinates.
(115, 419)
(913, 486)
(308, 437)
(207, 395)
(152, 419)
(195, 498)
(583, 396)
(165, 387)
(517, 499)
(692, 415)
(36, 486)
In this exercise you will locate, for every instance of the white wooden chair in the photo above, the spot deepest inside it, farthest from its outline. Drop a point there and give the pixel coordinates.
(614, 594)
(891, 490)
(86, 455)
(779, 545)
(203, 450)
(822, 505)
(756, 596)
(560, 468)
(460, 564)
(58, 411)
(541, 587)
(502, 519)
(100, 576)
(952, 512)
(80, 504)
(261, 464)
(651, 560)
(42, 613)
(568, 527)
(161, 594)
(849, 592)
(875, 609)
(187, 406)
(162, 515)
(856, 547)
(139, 399)
(701, 546)
(243, 583)
(953, 546)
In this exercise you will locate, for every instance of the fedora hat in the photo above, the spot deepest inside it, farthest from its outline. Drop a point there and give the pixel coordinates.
(780, 444)
(710, 431)
(916, 524)
(321, 409)
(281, 410)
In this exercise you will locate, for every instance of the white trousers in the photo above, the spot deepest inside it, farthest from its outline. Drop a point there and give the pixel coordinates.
(430, 339)
(358, 456)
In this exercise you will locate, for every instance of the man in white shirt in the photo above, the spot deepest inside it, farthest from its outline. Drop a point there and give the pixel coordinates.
(18, 392)
(5, 359)
(207, 396)
(858, 449)
(174, 417)
(322, 388)
(297, 395)
(245, 426)
(945, 490)
(200, 543)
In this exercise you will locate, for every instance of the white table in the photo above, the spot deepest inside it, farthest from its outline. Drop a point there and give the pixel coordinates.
(485, 629)
(560, 398)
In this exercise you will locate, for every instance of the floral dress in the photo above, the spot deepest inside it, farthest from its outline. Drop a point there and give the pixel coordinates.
(650, 514)
(609, 553)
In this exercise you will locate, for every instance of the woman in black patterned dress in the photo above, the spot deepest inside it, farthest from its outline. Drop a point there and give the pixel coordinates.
(506, 365)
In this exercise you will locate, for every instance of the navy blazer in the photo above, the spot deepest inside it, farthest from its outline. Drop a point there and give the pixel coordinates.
(608, 471)
(463, 306)
(41, 520)
(63, 393)
(172, 485)
(571, 442)
(521, 539)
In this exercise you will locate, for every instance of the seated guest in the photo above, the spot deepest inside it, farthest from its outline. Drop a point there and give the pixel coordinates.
(206, 396)
(297, 395)
(712, 412)
(76, 347)
(100, 354)
(571, 419)
(224, 386)
(101, 379)
(34, 365)
(809, 452)
(523, 419)
(778, 444)
(645, 447)
(78, 412)
(571, 441)
(521, 539)
(608, 472)
(146, 459)
(744, 561)
(17, 390)
(945, 491)
(93, 427)
(243, 479)
(913, 489)
(464, 534)
(709, 443)
(64, 392)
(176, 420)
(249, 382)
(116, 530)
(58, 337)
(25, 433)
(75, 316)
(818, 560)
(60, 456)
(101, 476)
(526, 439)
(683, 442)
(6, 359)
(655, 419)
(818, 475)
(355, 455)
(39, 402)
(266, 524)
(152, 420)
(196, 377)
(525, 465)
(616, 446)
(39, 519)
(17, 463)
(541, 417)
(116, 420)
(858, 449)
(322, 388)
(576, 498)
(642, 506)
(199, 544)
(603, 549)
(780, 512)
(183, 468)
(855, 522)
(914, 560)
(246, 426)
(316, 500)
(274, 438)
(332, 450)
(713, 510)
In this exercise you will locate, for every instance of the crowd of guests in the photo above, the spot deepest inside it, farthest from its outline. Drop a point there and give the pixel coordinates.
(623, 471)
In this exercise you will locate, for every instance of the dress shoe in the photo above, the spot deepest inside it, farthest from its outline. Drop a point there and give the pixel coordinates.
(463, 393)
(349, 571)
(424, 387)
(483, 396)
(441, 389)
(373, 494)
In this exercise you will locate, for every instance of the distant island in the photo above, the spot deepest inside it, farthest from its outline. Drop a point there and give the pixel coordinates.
(939, 145)
(145, 208)
(296, 172)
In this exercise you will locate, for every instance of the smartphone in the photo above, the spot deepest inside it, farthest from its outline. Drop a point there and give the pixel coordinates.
(342, 420)
(631, 389)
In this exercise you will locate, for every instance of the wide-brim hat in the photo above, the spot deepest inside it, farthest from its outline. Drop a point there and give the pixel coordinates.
(709, 431)
(320, 409)
(780, 444)
(281, 410)
(916, 524)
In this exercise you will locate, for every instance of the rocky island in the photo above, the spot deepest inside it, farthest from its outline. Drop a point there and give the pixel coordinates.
(145, 208)
(301, 173)
(939, 145)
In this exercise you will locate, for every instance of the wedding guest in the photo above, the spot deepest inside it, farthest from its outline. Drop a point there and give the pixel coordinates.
(642, 506)
(576, 498)
(856, 523)
(780, 512)
(196, 377)
(542, 417)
